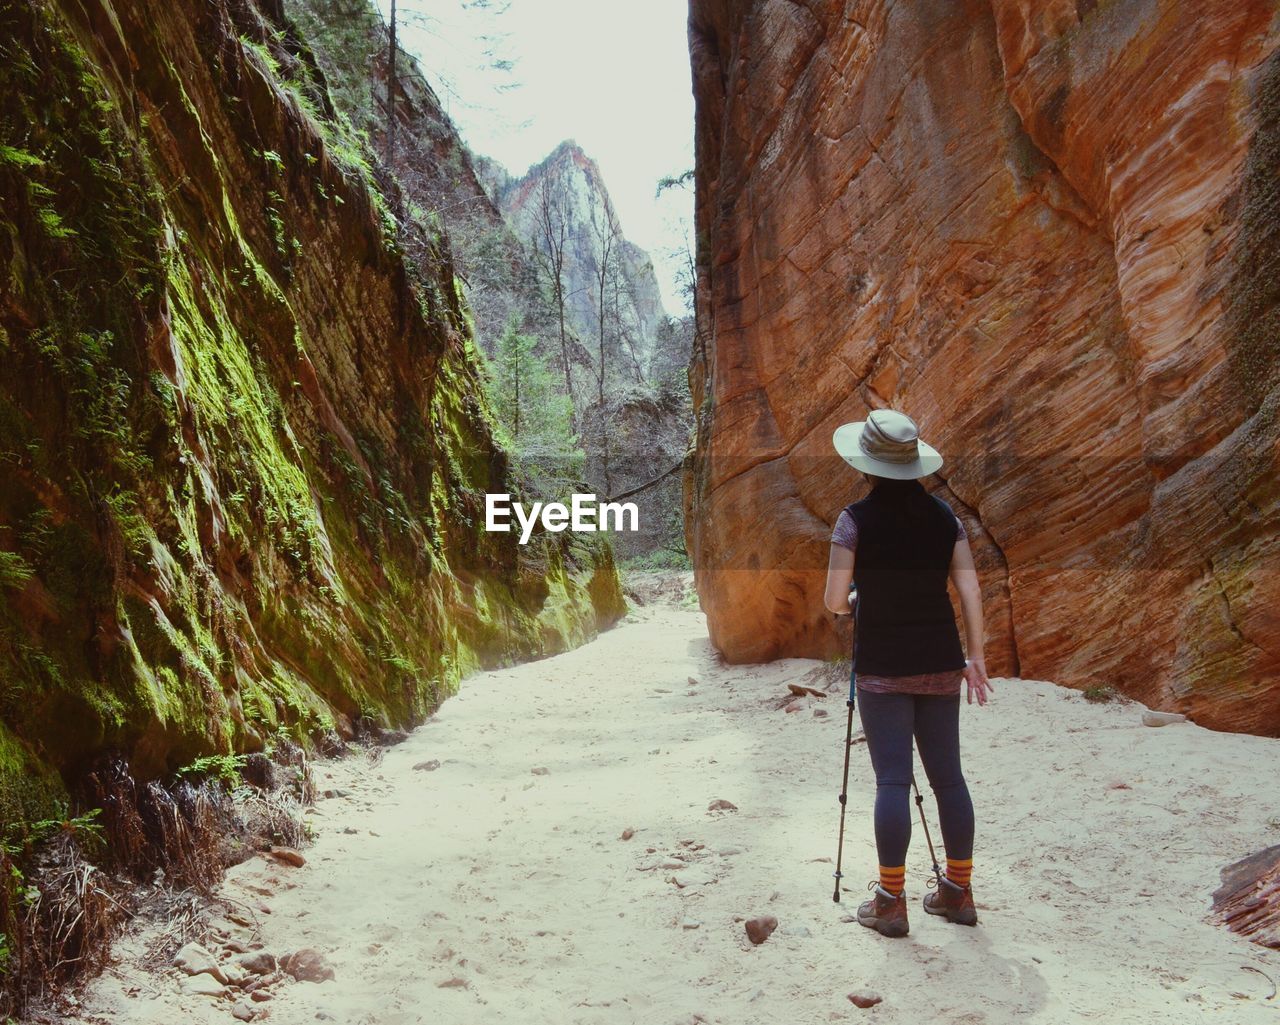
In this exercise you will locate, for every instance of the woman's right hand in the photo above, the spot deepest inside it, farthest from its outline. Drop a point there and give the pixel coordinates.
(975, 678)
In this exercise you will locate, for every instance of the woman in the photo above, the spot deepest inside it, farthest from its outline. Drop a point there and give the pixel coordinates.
(898, 546)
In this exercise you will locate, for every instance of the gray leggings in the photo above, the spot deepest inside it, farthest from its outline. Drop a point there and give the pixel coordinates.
(889, 722)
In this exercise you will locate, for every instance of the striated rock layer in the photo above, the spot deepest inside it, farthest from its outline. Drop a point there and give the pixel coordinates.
(244, 445)
(1048, 231)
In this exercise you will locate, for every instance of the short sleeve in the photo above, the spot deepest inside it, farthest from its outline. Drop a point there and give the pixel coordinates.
(845, 533)
(961, 533)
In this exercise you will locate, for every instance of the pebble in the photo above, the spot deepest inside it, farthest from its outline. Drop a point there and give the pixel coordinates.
(242, 1011)
(260, 995)
(720, 804)
(288, 856)
(628, 833)
(820, 713)
(690, 923)
(541, 770)
(798, 705)
(865, 998)
(693, 681)
(760, 929)
(457, 982)
(428, 766)
(729, 851)
(307, 965)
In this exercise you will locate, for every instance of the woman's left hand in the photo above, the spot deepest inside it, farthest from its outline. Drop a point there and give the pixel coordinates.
(975, 678)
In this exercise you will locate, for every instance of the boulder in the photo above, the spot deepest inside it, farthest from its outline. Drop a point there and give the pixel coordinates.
(307, 965)
(1153, 718)
(1248, 901)
(288, 856)
(196, 960)
(202, 985)
(258, 962)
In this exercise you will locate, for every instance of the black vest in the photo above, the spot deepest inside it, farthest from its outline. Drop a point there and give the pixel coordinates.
(905, 623)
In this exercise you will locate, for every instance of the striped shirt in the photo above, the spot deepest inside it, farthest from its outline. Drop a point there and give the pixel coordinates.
(947, 683)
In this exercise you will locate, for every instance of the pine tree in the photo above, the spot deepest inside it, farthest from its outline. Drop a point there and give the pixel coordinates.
(535, 419)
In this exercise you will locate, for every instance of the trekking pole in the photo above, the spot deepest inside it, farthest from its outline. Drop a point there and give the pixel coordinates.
(937, 871)
(844, 796)
(844, 787)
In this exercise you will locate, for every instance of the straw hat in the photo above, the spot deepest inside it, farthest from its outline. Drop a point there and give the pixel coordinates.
(886, 444)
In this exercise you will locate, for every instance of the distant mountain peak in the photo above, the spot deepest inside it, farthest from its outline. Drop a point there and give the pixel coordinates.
(581, 195)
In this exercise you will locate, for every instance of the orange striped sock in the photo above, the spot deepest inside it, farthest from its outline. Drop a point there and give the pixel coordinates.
(960, 871)
(894, 880)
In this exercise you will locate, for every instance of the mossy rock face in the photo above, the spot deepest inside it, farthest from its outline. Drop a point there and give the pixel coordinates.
(245, 443)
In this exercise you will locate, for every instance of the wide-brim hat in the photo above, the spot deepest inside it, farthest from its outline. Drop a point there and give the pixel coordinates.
(886, 444)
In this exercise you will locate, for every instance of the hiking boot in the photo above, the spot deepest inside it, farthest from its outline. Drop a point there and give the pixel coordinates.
(952, 902)
(884, 912)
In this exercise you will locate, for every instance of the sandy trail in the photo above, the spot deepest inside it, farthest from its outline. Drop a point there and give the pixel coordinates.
(481, 892)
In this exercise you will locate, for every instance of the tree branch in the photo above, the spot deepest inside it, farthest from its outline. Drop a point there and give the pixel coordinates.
(647, 484)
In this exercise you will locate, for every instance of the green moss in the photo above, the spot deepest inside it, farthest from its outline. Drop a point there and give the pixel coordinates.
(28, 788)
(192, 559)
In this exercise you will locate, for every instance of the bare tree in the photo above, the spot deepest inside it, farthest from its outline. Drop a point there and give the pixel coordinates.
(626, 313)
(605, 230)
(552, 238)
(393, 84)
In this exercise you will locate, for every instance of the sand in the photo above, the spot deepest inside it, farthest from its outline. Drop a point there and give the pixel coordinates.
(482, 891)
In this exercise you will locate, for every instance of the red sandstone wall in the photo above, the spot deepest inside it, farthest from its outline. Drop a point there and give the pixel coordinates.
(1049, 232)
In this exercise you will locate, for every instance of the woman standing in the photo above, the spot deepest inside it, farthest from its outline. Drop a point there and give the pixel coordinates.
(899, 546)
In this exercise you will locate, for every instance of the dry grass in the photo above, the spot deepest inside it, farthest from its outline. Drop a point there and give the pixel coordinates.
(59, 916)
(830, 676)
(154, 850)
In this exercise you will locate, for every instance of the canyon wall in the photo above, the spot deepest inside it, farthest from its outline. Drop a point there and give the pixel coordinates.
(244, 440)
(1048, 232)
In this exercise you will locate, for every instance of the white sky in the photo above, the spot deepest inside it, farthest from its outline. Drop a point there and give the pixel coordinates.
(612, 74)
